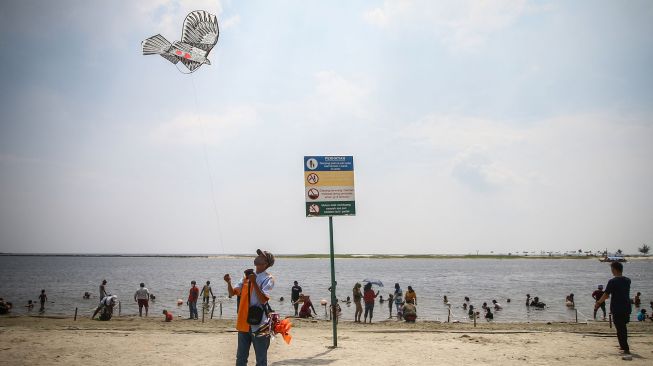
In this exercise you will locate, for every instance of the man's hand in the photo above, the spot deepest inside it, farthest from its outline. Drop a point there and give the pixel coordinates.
(252, 277)
(227, 278)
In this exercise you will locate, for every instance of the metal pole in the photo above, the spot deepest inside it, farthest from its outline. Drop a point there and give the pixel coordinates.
(576, 315)
(474, 320)
(333, 284)
(75, 314)
(610, 317)
(203, 312)
(220, 309)
(213, 308)
(119, 308)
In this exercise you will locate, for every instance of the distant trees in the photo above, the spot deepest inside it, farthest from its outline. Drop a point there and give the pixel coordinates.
(644, 249)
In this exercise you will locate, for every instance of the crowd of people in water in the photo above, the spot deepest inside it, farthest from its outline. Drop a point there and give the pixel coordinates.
(401, 305)
(405, 305)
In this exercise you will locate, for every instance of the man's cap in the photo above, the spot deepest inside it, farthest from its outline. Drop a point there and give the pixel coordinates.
(600, 286)
(269, 257)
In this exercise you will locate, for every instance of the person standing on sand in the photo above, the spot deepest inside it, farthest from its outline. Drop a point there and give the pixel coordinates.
(142, 297)
(294, 296)
(619, 289)
(254, 290)
(390, 302)
(597, 295)
(358, 296)
(103, 289)
(193, 295)
(369, 296)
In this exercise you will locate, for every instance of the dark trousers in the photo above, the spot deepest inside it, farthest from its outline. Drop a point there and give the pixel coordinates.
(602, 307)
(620, 321)
(261, 344)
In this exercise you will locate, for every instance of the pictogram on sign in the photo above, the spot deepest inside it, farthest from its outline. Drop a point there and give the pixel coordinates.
(313, 193)
(312, 178)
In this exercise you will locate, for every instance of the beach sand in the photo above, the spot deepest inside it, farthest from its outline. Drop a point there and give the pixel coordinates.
(131, 340)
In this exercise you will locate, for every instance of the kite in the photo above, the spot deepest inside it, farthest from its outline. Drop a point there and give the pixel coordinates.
(198, 36)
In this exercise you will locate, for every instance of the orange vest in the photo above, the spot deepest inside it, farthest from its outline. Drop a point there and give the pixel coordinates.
(241, 322)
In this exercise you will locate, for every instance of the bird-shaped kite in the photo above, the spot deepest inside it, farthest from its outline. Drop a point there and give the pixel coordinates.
(198, 36)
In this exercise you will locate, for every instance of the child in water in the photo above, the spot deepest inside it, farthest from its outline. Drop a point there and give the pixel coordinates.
(167, 316)
(641, 316)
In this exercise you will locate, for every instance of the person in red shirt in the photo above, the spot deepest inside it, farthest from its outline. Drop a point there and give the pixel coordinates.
(193, 295)
(168, 316)
(368, 297)
(305, 311)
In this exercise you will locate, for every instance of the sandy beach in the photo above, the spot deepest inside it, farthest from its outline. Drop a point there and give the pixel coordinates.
(132, 340)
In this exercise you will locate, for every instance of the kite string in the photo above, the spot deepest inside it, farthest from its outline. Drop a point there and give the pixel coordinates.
(208, 168)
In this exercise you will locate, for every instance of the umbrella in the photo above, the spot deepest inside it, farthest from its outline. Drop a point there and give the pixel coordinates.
(374, 281)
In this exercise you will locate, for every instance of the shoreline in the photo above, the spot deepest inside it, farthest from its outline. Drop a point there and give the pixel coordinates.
(326, 256)
(147, 341)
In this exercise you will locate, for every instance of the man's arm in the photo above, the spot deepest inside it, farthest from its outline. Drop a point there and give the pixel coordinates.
(230, 289)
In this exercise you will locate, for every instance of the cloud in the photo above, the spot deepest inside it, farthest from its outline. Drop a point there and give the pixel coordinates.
(198, 129)
(168, 15)
(333, 89)
(568, 152)
(480, 173)
(458, 132)
(230, 22)
(460, 25)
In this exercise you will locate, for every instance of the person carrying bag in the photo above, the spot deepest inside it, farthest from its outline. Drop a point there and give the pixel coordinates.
(252, 315)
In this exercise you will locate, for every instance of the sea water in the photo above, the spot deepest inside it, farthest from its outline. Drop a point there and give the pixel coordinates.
(65, 280)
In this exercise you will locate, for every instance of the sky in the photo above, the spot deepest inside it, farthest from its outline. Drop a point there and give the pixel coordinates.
(490, 126)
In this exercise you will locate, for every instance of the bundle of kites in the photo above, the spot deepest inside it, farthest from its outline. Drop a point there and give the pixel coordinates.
(275, 326)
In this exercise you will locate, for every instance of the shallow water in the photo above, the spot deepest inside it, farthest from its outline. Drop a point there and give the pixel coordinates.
(65, 279)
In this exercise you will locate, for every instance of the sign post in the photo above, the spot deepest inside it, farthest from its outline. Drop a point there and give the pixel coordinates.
(329, 191)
